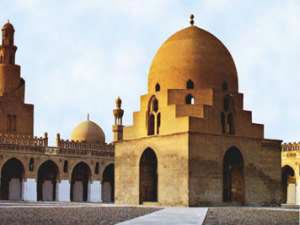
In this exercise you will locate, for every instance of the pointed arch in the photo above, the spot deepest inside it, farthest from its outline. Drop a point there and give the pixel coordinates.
(190, 84)
(158, 123)
(12, 175)
(148, 176)
(81, 175)
(157, 87)
(48, 176)
(233, 176)
(151, 124)
(152, 109)
(230, 121)
(31, 164)
(189, 99)
(288, 184)
(108, 184)
(66, 166)
(224, 86)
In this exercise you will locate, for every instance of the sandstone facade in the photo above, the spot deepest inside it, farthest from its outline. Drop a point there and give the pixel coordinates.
(192, 143)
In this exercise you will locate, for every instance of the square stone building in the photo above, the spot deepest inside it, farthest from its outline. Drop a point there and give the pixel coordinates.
(192, 143)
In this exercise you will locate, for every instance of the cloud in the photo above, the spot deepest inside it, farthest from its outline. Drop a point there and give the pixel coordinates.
(78, 56)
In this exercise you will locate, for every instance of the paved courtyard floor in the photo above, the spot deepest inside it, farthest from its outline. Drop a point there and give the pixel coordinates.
(67, 213)
(251, 216)
(57, 213)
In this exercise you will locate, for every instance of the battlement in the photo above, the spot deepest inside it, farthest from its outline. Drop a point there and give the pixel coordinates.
(24, 140)
(77, 147)
(291, 146)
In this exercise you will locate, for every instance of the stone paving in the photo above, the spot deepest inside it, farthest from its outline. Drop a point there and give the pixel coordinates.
(251, 216)
(67, 213)
(57, 213)
(171, 216)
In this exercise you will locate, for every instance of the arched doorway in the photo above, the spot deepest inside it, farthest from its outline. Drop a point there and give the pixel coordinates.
(12, 175)
(81, 175)
(108, 184)
(288, 185)
(47, 179)
(148, 176)
(233, 176)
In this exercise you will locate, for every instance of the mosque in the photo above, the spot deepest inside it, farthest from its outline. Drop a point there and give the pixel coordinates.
(191, 143)
(80, 169)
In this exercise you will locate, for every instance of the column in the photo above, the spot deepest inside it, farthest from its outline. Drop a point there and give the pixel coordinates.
(63, 191)
(291, 194)
(29, 190)
(298, 192)
(95, 191)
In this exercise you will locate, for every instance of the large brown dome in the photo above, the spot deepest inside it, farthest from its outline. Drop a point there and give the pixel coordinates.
(193, 54)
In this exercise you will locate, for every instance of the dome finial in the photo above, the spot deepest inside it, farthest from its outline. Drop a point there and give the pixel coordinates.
(192, 19)
(88, 117)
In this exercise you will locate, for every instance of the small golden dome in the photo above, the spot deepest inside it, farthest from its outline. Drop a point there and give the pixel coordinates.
(193, 54)
(89, 132)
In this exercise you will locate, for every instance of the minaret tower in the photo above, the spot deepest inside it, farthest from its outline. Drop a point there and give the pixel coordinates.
(118, 126)
(8, 49)
(15, 116)
(11, 83)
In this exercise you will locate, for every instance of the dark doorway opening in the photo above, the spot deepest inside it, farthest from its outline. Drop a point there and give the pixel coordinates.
(47, 180)
(148, 177)
(108, 184)
(12, 175)
(81, 175)
(233, 177)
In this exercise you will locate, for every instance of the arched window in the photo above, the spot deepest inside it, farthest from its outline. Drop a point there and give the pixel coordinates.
(189, 99)
(225, 86)
(157, 87)
(158, 122)
(97, 168)
(152, 116)
(151, 124)
(155, 105)
(223, 122)
(230, 123)
(66, 167)
(189, 84)
(31, 164)
(9, 123)
(226, 103)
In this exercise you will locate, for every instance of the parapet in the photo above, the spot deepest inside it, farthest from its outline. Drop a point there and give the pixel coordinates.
(24, 140)
(291, 146)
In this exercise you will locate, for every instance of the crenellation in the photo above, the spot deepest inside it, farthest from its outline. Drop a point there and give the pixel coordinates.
(291, 146)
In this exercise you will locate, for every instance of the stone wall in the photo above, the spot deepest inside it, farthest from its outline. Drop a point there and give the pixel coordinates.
(262, 175)
(172, 155)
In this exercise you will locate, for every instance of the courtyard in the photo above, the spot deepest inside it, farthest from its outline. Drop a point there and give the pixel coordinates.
(60, 213)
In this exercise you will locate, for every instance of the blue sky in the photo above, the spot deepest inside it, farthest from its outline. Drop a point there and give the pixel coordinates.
(78, 56)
